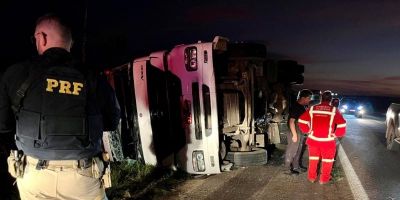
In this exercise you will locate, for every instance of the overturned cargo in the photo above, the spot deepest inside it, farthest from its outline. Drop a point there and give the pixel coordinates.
(193, 105)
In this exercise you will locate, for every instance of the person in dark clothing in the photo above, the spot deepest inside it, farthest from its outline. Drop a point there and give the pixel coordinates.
(296, 140)
(58, 111)
(335, 102)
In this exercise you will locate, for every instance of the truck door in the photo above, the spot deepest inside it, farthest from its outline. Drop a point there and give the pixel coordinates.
(121, 80)
(159, 118)
(194, 67)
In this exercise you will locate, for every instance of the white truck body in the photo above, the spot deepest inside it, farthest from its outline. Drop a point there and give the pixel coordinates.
(190, 105)
(175, 107)
(393, 127)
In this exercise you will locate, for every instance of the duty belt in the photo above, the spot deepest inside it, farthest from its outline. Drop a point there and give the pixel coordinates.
(45, 164)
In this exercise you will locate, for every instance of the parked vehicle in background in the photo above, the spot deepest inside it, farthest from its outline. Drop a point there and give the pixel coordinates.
(393, 127)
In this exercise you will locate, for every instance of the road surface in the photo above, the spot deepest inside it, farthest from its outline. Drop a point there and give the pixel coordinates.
(365, 170)
(376, 167)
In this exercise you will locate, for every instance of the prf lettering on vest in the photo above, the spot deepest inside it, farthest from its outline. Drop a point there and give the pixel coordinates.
(64, 87)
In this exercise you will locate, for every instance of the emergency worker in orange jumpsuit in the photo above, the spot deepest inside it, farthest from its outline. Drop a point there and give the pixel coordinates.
(319, 123)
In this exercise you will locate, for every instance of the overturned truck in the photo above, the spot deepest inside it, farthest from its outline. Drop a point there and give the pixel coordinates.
(195, 105)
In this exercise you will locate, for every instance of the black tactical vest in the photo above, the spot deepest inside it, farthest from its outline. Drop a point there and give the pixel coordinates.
(53, 122)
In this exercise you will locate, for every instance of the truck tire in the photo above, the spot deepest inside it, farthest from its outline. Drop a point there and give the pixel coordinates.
(390, 136)
(222, 150)
(257, 156)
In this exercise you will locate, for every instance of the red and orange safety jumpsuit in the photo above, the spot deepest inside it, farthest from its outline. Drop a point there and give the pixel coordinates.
(323, 123)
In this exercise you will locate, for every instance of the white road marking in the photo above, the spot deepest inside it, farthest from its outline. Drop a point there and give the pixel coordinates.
(355, 185)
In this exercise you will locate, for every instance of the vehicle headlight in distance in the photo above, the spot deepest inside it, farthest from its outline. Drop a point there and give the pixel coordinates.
(361, 111)
(360, 107)
(198, 161)
(342, 110)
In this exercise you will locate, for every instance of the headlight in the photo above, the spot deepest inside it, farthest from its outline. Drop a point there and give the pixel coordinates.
(360, 107)
(342, 110)
(191, 58)
(361, 111)
(198, 161)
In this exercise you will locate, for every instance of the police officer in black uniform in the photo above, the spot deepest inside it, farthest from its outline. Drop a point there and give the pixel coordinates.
(59, 111)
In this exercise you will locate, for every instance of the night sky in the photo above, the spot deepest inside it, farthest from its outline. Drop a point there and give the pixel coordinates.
(351, 47)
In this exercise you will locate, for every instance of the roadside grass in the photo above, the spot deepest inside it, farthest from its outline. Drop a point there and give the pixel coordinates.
(337, 172)
(134, 180)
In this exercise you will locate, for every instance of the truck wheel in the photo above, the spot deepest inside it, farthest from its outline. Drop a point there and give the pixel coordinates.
(390, 137)
(257, 156)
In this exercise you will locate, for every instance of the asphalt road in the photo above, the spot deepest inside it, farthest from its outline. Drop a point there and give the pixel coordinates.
(376, 168)
(262, 183)
(259, 183)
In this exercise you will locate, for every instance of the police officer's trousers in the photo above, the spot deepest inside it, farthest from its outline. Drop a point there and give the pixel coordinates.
(59, 180)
